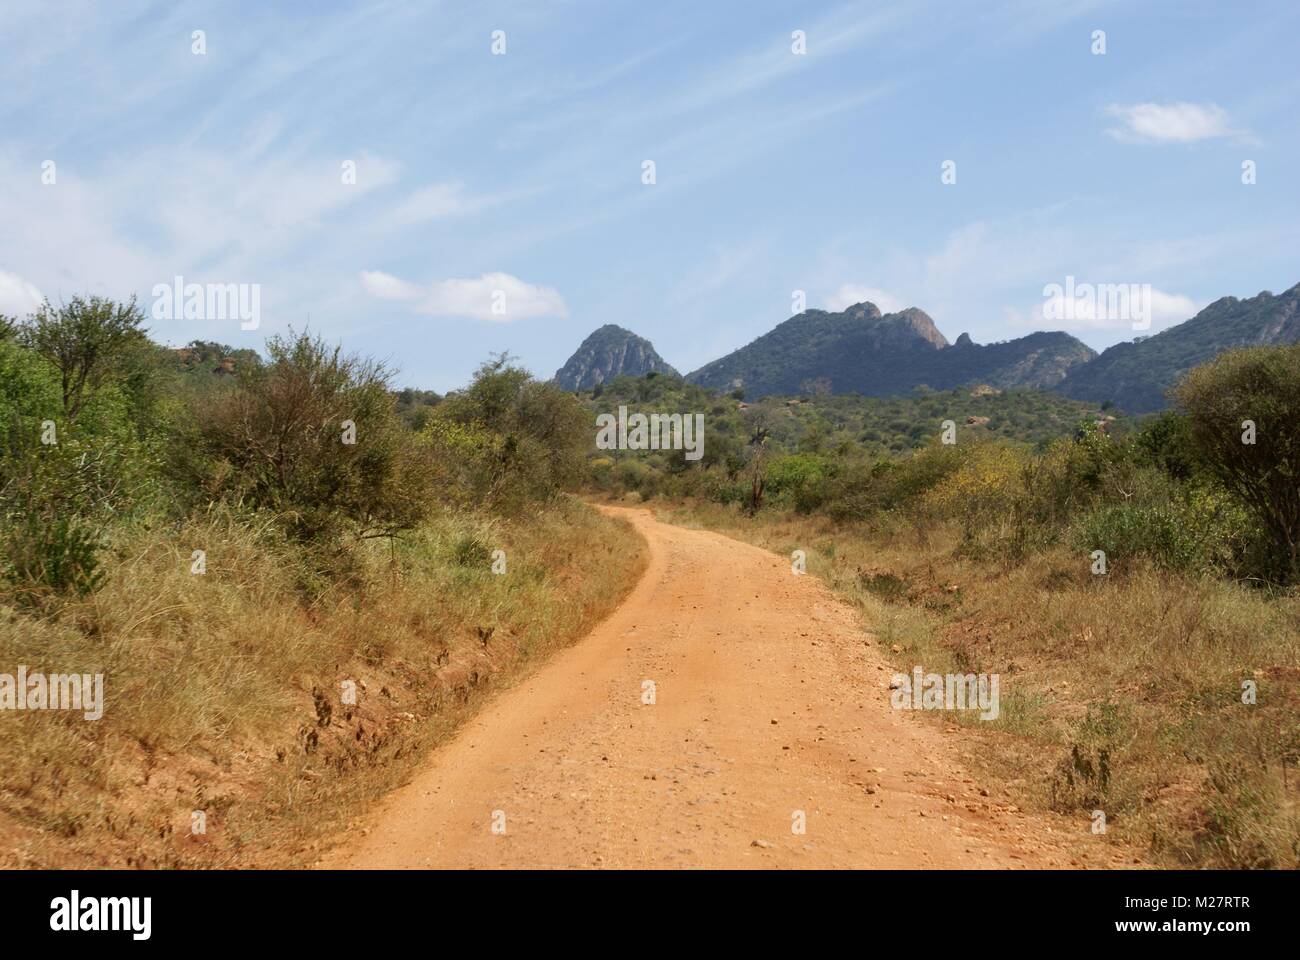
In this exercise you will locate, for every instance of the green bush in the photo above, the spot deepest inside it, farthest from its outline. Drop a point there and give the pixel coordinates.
(65, 479)
(798, 480)
(57, 554)
(529, 438)
(468, 550)
(314, 438)
(1200, 532)
(1245, 392)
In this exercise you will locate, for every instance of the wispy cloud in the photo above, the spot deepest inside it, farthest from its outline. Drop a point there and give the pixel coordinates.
(438, 201)
(494, 297)
(835, 34)
(1171, 122)
(726, 267)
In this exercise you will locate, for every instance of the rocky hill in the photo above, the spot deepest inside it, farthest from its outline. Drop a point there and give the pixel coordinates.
(610, 352)
(1136, 375)
(861, 350)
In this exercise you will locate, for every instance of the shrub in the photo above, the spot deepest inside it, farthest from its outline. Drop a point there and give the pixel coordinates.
(520, 440)
(1166, 442)
(983, 488)
(468, 550)
(1197, 532)
(798, 480)
(907, 481)
(58, 554)
(313, 436)
(1260, 385)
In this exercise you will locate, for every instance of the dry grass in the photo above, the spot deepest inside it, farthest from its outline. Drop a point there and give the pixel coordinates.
(1140, 674)
(224, 691)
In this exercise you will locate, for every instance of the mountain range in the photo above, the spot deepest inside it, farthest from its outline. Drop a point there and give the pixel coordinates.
(861, 350)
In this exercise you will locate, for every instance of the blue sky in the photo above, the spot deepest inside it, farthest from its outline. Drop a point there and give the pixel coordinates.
(523, 172)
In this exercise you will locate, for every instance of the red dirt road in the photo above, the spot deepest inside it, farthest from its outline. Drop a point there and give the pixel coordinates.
(770, 710)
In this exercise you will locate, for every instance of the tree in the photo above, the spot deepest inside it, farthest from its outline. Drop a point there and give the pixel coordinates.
(85, 340)
(509, 439)
(756, 461)
(1244, 409)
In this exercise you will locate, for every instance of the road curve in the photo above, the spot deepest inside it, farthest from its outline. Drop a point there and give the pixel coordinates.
(770, 713)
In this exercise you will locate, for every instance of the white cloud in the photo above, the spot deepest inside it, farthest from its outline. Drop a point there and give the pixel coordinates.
(18, 297)
(1170, 123)
(1168, 309)
(385, 286)
(495, 297)
(1102, 312)
(850, 293)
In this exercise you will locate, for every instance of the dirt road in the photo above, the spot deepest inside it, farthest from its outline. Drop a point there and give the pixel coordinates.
(770, 710)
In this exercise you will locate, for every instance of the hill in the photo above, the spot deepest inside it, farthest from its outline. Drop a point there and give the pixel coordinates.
(861, 350)
(610, 352)
(1136, 375)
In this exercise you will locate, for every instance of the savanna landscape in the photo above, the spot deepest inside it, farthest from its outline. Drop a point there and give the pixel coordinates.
(299, 579)
(443, 443)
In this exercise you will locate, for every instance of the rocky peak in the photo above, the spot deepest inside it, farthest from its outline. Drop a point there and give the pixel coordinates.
(610, 352)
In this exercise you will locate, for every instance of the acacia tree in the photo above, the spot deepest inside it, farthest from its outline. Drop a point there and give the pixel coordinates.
(1244, 412)
(85, 339)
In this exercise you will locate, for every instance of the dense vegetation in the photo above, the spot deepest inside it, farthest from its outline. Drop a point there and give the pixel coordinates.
(820, 435)
(103, 427)
(1134, 582)
(1020, 468)
(228, 538)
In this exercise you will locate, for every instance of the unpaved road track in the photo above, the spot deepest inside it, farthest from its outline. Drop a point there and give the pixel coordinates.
(767, 702)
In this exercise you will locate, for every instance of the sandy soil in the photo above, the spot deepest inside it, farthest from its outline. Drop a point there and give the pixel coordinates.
(771, 707)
